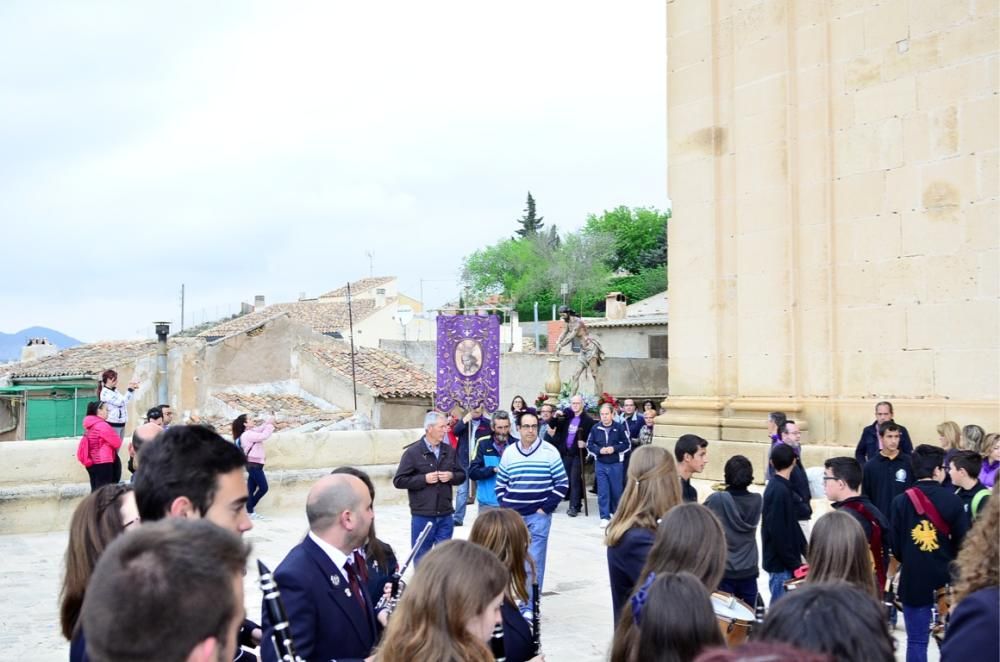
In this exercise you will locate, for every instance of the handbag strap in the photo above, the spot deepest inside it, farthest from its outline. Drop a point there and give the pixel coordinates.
(925, 506)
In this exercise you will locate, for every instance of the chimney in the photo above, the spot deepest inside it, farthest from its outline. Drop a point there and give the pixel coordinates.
(614, 306)
(379, 297)
(37, 348)
(162, 331)
(258, 302)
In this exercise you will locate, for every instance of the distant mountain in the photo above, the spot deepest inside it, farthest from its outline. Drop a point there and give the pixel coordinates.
(11, 343)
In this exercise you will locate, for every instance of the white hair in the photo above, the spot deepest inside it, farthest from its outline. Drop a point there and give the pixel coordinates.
(432, 418)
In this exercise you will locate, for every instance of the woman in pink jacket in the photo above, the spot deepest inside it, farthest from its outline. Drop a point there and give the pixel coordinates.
(102, 445)
(251, 440)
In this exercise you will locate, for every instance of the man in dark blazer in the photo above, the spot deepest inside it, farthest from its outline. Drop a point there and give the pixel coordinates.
(870, 442)
(329, 611)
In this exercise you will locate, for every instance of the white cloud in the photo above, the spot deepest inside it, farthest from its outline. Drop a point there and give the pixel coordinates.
(247, 148)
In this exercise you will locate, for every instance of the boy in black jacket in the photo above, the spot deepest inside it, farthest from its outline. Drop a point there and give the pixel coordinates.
(928, 525)
(889, 473)
(782, 537)
(964, 472)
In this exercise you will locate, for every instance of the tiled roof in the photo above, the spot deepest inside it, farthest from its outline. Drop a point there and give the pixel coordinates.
(384, 373)
(83, 360)
(645, 320)
(290, 411)
(320, 316)
(359, 286)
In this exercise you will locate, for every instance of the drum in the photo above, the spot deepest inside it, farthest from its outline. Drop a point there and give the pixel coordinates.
(735, 617)
(942, 608)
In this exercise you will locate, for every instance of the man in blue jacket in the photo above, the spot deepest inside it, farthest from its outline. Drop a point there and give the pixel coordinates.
(486, 464)
(474, 425)
(607, 441)
(871, 441)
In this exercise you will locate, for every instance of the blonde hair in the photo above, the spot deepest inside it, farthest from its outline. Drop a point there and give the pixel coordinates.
(952, 434)
(503, 532)
(989, 441)
(838, 550)
(456, 581)
(652, 488)
(977, 563)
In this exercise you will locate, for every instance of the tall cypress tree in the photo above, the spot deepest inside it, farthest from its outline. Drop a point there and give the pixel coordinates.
(530, 223)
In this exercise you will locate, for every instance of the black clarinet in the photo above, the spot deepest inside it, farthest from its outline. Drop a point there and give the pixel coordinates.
(536, 617)
(281, 636)
(497, 647)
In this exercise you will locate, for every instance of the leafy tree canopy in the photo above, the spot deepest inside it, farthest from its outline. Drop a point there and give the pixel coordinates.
(639, 237)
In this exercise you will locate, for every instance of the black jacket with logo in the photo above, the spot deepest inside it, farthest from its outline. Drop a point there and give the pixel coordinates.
(925, 552)
(884, 479)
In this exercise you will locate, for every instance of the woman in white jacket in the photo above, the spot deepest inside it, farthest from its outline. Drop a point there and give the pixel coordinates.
(117, 406)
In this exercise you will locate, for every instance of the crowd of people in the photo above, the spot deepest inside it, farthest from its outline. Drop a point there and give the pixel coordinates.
(911, 528)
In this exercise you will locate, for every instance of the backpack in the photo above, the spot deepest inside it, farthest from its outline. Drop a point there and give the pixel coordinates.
(977, 502)
(83, 452)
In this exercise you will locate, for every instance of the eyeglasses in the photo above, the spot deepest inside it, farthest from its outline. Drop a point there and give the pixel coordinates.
(830, 478)
(529, 427)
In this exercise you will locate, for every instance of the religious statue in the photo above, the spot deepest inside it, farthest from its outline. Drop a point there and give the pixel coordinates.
(591, 353)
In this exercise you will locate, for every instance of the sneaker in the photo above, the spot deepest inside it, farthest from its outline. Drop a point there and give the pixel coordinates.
(604, 523)
(458, 523)
(572, 512)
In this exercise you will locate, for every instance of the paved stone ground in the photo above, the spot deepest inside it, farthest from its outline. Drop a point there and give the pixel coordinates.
(576, 603)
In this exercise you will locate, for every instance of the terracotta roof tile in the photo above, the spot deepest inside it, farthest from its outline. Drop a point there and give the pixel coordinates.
(321, 316)
(385, 373)
(83, 360)
(290, 411)
(359, 286)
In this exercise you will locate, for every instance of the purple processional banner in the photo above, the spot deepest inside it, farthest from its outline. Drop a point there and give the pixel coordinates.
(468, 362)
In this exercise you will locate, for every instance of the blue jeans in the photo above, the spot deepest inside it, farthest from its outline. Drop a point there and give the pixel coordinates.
(609, 487)
(441, 529)
(918, 632)
(776, 584)
(744, 589)
(461, 501)
(538, 526)
(256, 485)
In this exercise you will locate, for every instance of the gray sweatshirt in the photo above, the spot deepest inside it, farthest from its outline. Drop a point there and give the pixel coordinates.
(739, 512)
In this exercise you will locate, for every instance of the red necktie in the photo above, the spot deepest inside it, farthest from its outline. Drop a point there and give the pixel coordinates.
(352, 578)
(362, 567)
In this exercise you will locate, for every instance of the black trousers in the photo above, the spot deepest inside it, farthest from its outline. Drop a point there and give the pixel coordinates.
(101, 475)
(573, 466)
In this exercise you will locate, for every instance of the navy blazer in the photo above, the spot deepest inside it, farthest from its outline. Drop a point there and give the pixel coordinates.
(625, 563)
(326, 622)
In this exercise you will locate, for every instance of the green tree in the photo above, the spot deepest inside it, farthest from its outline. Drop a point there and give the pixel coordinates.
(508, 268)
(530, 223)
(638, 237)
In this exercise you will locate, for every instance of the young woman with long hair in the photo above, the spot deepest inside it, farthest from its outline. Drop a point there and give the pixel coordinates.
(950, 439)
(974, 625)
(450, 608)
(102, 444)
(990, 450)
(838, 550)
(652, 488)
(690, 539)
(251, 440)
(669, 619)
(503, 532)
(101, 517)
(117, 405)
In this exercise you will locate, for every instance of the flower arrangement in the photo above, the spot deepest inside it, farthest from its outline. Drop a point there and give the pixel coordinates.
(540, 399)
(607, 398)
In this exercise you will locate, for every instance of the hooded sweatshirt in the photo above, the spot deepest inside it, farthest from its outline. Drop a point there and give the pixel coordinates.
(102, 441)
(739, 513)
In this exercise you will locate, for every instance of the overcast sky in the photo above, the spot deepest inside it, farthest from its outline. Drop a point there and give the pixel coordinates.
(249, 148)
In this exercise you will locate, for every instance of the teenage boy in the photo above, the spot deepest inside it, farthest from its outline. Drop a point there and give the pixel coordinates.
(691, 452)
(842, 484)
(928, 525)
(888, 474)
(782, 538)
(964, 471)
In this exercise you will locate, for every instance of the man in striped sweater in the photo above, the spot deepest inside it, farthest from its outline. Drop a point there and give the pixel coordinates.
(532, 481)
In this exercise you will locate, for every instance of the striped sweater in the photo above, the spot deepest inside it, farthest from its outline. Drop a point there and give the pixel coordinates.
(531, 479)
